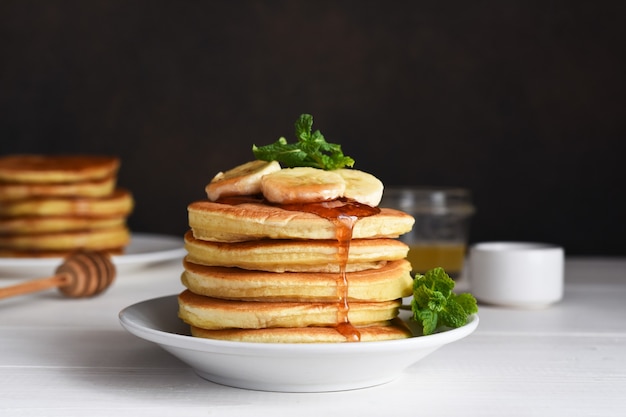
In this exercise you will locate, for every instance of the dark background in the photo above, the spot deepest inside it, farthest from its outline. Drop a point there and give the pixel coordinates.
(523, 102)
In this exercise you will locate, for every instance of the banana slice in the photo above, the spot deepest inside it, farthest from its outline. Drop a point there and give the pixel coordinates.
(244, 179)
(302, 185)
(361, 186)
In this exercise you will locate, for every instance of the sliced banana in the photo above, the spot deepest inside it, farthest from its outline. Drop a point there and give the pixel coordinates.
(295, 185)
(361, 186)
(244, 179)
(302, 185)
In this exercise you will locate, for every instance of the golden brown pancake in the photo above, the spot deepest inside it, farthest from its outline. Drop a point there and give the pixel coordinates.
(392, 330)
(240, 222)
(271, 273)
(96, 188)
(390, 282)
(294, 255)
(51, 205)
(7, 253)
(34, 225)
(97, 239)
(214, 313)
(56, 168)
(119, 203)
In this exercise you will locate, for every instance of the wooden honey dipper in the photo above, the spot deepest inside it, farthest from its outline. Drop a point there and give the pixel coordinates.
(82, 274)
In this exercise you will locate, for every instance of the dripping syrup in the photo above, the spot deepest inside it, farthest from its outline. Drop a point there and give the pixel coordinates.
(344, 224)
(343, 213)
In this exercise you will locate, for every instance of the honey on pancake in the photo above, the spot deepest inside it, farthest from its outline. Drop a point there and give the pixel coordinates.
(344, 225)
(343, 213)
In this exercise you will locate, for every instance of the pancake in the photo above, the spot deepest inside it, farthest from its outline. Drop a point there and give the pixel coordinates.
(8, 253)
(96, 188)
(119, 203)
(294, 255)
(392, 330)
(240, 222)
(56, 168)
(35, 225)
(214, 313)
(97, 239)
(390, 282)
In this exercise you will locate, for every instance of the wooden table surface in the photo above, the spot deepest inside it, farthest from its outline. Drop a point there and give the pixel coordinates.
(61, 357)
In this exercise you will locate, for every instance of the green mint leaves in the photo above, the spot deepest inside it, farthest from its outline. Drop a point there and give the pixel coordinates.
(435, 305)
(311, 150)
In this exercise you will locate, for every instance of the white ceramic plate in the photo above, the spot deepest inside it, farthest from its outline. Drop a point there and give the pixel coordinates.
(143, 250)
(282, 367)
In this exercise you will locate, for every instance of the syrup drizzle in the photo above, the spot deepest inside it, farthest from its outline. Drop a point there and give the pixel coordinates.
(344, 225)
(344, 213)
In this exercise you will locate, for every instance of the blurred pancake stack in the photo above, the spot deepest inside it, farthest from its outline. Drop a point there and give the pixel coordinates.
(53, 205)
(294, 255)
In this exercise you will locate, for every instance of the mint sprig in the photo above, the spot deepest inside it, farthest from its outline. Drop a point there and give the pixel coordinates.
(435, 305)
(311, 149)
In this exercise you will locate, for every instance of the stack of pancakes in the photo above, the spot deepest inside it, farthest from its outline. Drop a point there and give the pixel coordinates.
(260, 272)
(52, 205)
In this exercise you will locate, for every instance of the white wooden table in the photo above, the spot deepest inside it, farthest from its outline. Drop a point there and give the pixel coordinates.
(61, 357)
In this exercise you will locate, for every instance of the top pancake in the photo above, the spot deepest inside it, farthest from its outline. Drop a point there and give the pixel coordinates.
(219, 222)
(56, 168)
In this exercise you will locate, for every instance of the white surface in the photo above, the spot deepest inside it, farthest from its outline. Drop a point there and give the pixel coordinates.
(516, 274)
(143, 250)
(61, 357)
(284, 367)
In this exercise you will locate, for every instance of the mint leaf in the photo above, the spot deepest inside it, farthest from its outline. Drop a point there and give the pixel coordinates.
(428, 319)
(311, 149)
(468, 302)
(304, 125)
(287, 154)
(435, 305)
(453, 315)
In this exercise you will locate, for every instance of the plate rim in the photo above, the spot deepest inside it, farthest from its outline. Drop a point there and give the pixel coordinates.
(182, 341)
(19, 263)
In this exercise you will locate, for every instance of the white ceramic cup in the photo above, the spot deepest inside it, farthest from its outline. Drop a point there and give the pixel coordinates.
(516, 274)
